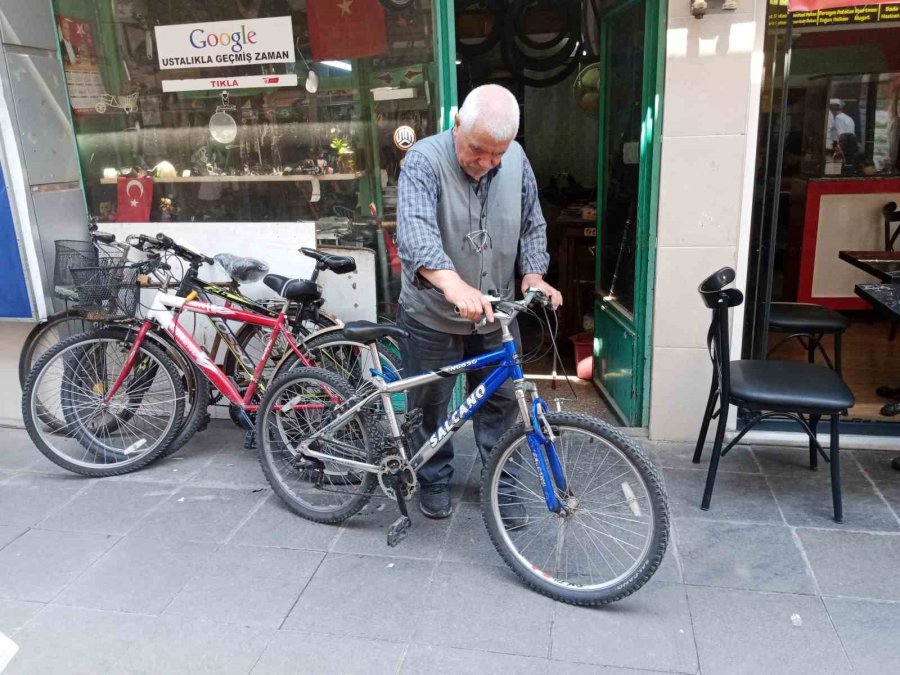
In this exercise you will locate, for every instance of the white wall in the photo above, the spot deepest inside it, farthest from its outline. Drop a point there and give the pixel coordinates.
(12, 335)
(713, 74)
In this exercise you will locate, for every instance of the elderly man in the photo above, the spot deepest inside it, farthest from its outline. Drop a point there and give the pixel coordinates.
(468, 219)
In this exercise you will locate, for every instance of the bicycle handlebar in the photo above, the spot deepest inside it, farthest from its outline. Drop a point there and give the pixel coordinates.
(162, 242)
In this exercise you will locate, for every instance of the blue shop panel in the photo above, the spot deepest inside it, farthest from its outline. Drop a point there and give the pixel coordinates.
(14, 302)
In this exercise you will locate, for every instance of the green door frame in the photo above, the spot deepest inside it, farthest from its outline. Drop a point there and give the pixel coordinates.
(445, 56)
(648, 206)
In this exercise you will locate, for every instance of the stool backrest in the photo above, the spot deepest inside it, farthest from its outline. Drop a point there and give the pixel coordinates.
(720, 299)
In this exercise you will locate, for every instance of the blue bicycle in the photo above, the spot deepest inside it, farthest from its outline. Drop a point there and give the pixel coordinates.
(572, 506)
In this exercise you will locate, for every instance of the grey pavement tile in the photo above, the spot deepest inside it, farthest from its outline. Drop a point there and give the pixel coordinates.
(670, 571)
(27, 499)
(877, 466)
(748, 632)
(681, 455)
(650, 629)
(232, 468)
(806, 502)
(736, 496)
(742, 555)
(466, 482)
(138, 575)
(569, 668)
(291, 652)
(111, 507)
(191, 646)
(42, 563)
(484, 607)
(451, 661)
(8, 534)
(17, 452)
(14, 614)
(199, 514)
(68, 640)
(868, 631)
(366, 532)
(247, 585)
(776, 461)
(343, 585)
(274, 524)
(469, 541)
(854, 564)
(188, 461)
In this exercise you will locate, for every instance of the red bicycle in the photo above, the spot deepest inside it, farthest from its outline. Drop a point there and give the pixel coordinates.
(120, 395)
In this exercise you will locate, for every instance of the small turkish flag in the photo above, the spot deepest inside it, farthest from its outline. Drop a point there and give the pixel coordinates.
(346, 29)
(135, 199)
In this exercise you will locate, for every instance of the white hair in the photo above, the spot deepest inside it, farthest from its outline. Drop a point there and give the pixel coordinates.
(492, 108)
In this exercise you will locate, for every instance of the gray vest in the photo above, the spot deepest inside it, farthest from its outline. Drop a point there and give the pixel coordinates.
(497, 208)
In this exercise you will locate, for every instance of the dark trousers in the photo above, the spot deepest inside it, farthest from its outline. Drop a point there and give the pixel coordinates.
(428, 349)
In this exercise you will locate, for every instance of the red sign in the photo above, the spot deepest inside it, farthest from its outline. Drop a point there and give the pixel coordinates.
(346, 29)
(813, 5)
(135, 197)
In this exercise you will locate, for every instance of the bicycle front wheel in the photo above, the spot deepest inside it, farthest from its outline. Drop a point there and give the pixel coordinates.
(297, 404)
(100, 437)
(614, 533)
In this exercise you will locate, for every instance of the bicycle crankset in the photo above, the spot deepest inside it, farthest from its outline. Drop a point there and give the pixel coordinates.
(394, 472)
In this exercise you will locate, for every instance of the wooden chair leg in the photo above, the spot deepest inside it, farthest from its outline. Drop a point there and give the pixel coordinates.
(707, 416)
(836, 469)
(716, 453)
(813, 451)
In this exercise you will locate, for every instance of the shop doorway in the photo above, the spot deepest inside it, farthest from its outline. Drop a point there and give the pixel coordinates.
(828, 182)
(585, 73)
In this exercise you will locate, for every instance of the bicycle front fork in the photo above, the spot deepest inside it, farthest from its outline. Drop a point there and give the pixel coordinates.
(543, 451)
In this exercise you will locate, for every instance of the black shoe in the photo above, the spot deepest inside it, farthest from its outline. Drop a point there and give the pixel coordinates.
(512, 511)
(434, 500)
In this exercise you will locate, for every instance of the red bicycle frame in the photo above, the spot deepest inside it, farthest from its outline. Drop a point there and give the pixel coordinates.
(160, 313)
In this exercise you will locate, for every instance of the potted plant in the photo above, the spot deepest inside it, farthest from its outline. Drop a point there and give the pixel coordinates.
(346, 157)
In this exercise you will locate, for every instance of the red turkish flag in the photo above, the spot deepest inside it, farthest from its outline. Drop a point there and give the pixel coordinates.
(135, 199)
(346, 29)
(813, 5)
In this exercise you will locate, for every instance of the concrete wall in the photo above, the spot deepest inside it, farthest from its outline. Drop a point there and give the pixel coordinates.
(713, 74)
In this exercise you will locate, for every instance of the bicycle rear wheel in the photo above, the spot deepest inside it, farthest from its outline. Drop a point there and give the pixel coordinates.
(616, 531)
(298, 403)
(103, 439)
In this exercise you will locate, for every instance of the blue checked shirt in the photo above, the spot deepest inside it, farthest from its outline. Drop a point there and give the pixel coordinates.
(418, 236)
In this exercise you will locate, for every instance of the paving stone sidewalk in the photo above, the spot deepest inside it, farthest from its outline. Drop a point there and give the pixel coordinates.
(193, 566)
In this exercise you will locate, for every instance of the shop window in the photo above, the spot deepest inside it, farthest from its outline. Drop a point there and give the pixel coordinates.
(246, 110)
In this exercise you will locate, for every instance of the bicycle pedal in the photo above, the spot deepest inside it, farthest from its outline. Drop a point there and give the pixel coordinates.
(413, 421)
(204, 423)
(250, 440)
(398, 530)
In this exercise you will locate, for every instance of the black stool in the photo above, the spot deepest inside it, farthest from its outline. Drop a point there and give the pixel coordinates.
(808, 324)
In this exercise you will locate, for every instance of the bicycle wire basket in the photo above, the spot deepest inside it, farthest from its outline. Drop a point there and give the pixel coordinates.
(75, 254)
(106, 292)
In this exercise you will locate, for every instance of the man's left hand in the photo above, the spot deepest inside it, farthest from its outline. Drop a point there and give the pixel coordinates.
(537, 281)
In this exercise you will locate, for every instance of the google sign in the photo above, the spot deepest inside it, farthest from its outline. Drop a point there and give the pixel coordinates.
(224, 43)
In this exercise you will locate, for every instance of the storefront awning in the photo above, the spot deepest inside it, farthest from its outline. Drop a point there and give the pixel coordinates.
(813, 5)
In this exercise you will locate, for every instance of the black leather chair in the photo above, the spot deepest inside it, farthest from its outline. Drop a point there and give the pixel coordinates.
(809, 324)
(767, 389)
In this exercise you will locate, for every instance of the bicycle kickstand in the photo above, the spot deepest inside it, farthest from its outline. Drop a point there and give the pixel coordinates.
(399, 528)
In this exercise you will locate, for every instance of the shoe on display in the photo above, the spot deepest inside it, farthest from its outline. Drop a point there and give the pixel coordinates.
(434, 500)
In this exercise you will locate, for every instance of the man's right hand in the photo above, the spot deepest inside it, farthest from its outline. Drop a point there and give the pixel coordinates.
(469, 301)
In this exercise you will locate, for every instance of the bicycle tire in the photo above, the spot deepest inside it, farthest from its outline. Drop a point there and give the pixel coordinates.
(36, 338)
(279, 469)
(517, 59)
(655, 514)
(73, 412)
(486, 45)
(196, 386)
(324, 351)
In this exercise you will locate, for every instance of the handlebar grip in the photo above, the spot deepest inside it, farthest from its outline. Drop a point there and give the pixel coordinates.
(103, 237)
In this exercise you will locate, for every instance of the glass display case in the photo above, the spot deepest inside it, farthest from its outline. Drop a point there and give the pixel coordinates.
(246, 110)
